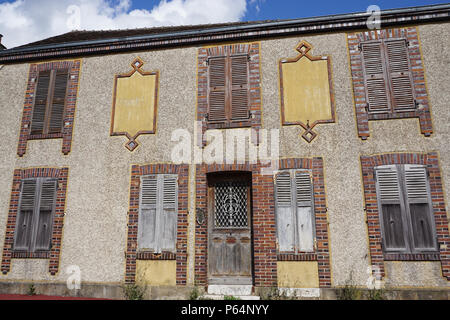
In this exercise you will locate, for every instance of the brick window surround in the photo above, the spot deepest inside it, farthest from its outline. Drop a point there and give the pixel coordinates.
(132, 253)
(253, 51)
(58, 218)
(418, 77)
(431, 161)
(70, 103)
(265, 255)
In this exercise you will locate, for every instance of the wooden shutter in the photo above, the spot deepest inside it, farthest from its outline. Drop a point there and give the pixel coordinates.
(285, 217)
(147, 213)
(390, 206)
(217, 89)
(169, 213)
(239, 87)
(56, 114)
(45, 214)
(420, 208)
(304, 200)
(40, 102)
(400, 75)
(23, 232)
(376, 83)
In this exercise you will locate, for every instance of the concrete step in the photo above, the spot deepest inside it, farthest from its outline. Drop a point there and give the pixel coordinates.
(230, 290)
(222, 297)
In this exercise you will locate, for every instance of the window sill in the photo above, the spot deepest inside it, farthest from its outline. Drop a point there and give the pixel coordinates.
(301, 256)
(229, 125)
(45, 136)
(30, 255)
(147, 255)
(412, 256)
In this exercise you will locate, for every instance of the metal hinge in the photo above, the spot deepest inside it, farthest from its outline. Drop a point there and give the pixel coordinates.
(360, 46)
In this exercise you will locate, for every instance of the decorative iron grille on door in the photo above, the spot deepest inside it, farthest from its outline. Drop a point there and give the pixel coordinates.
(230, 206)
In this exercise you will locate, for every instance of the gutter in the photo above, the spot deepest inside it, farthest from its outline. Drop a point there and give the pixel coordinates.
(332, 23)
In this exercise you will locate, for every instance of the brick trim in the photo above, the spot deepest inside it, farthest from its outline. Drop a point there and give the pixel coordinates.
(71, 97)
(253, 50)
(322, 253)
(418, 75)
(58, 218)
(377, 257)
(133, 220)
(304, 256)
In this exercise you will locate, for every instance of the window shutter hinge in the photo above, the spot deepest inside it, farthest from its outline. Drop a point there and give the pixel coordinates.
(359, 47)
(367, 107)
(207, 116)
(207, 61)
(408, 43)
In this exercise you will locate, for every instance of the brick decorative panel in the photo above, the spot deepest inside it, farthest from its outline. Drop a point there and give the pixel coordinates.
(71, 97)
(58, 218)
(132, 253)
(253, 51)
(430, 160)
(264, 222)
(410, 34)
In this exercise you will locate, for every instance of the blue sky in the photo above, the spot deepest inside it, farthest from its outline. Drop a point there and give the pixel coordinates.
(25, 21)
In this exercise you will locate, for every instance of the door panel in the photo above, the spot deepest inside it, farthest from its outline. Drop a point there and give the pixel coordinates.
(229, 249)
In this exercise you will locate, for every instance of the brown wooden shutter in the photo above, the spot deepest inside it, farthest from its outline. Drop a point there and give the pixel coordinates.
(24, 228)
(217, 89)
(284, 213)
(376, 82)
(45, 214)
(239, 88)
(40, 102)
(56, 114)
(420, 208)
(400, 75)
(390, 206)
(147, 213)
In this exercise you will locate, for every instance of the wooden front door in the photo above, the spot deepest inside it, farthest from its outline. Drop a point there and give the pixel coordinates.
(229, 228)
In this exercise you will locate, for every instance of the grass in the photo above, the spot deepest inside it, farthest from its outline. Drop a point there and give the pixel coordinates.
(134, 292)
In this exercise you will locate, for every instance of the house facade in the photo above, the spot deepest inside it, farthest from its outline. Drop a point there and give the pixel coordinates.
(303, 155)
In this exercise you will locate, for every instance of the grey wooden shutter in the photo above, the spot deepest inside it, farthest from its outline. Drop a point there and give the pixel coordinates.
(217, 89)
(40, 102)
(23, 232)
(400, 75)
(285, 216)
(56, 114)
(147, 213)
(304, 201)
(376, 82)
(45, 214)
(390, 206)
(420, 208)
(239, 88)
(169, 213)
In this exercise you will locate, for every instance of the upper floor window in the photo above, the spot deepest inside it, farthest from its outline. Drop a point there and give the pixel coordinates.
(158, 213)
(387, 76)
(36, 209)
(294, 211)
(404, 199)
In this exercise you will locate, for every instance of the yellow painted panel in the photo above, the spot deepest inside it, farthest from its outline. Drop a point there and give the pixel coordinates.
(156, 272)
(135, 104)
(298, 274)
(306, 91)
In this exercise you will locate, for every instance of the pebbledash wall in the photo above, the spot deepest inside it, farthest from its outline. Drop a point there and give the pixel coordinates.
(95, 228)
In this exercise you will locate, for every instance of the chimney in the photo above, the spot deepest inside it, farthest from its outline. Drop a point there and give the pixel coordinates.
(2, 47)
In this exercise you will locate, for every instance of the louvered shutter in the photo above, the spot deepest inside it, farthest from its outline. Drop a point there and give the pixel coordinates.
(239, 88)
(169, 213)
(400, 75)
(40, 102)
(285, 216)
(23, 232)
(418, 201)
(147, 214)
(376, 82)
(45, 214)
(56, 114)
(217, 89)
(389, 199)
(304, 200)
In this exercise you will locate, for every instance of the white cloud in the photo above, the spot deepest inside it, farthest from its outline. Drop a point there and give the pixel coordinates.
(25, 21)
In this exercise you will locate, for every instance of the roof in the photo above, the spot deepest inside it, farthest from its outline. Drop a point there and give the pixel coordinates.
(82, 43)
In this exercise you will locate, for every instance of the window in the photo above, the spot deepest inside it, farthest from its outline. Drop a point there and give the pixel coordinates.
(35, 216)
(404, 202)
(228, 90)
(158, 211)
(387, 76)
(294, 211)
(49, 103)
